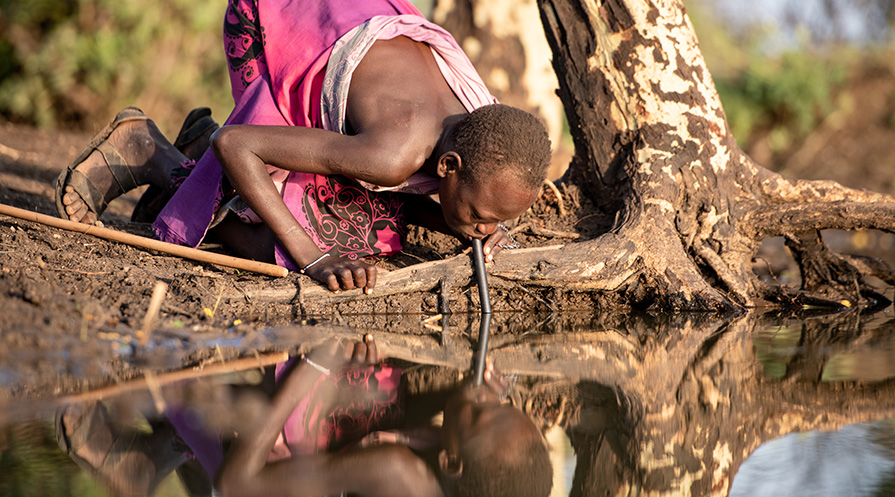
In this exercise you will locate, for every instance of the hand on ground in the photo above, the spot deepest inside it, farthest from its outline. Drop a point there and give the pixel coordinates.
(344, 274)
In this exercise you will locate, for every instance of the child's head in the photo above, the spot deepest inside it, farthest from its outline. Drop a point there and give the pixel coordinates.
(490, 449)
(496, 161)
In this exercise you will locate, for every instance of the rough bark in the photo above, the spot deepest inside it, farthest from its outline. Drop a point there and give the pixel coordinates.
(649, 130)
(513, 58)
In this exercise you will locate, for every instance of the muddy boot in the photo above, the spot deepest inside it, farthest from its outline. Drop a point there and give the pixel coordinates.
(125, 461)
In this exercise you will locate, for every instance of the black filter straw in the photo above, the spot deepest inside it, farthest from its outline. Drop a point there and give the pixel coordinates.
(484, 297)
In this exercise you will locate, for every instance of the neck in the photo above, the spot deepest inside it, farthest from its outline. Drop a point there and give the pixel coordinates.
(443, 144)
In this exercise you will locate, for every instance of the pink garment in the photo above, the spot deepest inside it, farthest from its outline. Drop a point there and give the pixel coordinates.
(279, 52)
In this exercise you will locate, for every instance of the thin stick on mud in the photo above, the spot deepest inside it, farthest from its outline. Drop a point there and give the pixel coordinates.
(161, 380)
(559, 202)
(155, 305)
(146, 243)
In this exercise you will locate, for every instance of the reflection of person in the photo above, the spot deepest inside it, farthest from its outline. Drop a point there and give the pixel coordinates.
(327, 175)
(483, 448)
(486, 448)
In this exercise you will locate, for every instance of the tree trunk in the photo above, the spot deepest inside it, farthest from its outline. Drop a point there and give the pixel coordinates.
(649, 131)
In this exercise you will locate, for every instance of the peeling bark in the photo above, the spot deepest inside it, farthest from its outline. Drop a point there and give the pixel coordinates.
(650, 131)
(513, 58)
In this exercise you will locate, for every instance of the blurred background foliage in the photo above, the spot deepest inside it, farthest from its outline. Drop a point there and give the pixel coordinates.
(73, 64)
(780, 92)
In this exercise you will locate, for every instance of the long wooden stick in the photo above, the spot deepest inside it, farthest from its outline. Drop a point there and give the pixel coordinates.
(146, 243)
(243, 364)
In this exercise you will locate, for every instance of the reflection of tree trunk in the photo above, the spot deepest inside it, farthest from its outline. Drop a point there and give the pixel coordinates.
(666, 405)
(699, 403)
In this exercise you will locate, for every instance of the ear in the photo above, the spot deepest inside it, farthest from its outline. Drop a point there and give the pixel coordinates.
(449, 464)
(449, 163)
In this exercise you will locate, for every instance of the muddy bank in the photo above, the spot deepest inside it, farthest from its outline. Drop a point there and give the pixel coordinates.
(72, 304)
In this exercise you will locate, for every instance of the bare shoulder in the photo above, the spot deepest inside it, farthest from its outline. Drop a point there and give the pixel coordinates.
(398, 93)
(395, 470)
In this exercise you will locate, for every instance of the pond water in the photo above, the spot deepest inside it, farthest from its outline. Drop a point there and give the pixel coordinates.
(699, 404)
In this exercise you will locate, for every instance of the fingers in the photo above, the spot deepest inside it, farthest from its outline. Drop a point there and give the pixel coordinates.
(492, 244)
(492, 377)
(365, 352)
(372, 350)
(360, 353)
(372, 273)
(332, 282)
(337, 352)
(491, 253)
(352, 277)
(341, 274)
(331, 354)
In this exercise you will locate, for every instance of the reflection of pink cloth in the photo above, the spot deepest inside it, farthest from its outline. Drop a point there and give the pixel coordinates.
(283, 86)
(376, 405)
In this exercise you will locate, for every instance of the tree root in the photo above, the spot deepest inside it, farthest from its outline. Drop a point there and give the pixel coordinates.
(773, 220)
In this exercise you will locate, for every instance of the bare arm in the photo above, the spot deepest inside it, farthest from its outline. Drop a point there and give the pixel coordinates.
(383, 154)
(244, 151)
(382, 471)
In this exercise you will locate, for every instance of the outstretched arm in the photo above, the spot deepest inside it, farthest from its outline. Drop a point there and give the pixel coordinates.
(244, 151)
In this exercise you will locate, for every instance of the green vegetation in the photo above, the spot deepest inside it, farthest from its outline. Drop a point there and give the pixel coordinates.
(783, 96)
(32, 465)
(77, 62)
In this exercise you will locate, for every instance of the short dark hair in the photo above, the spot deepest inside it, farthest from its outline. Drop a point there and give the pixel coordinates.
(499, 137)
(527, 474)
